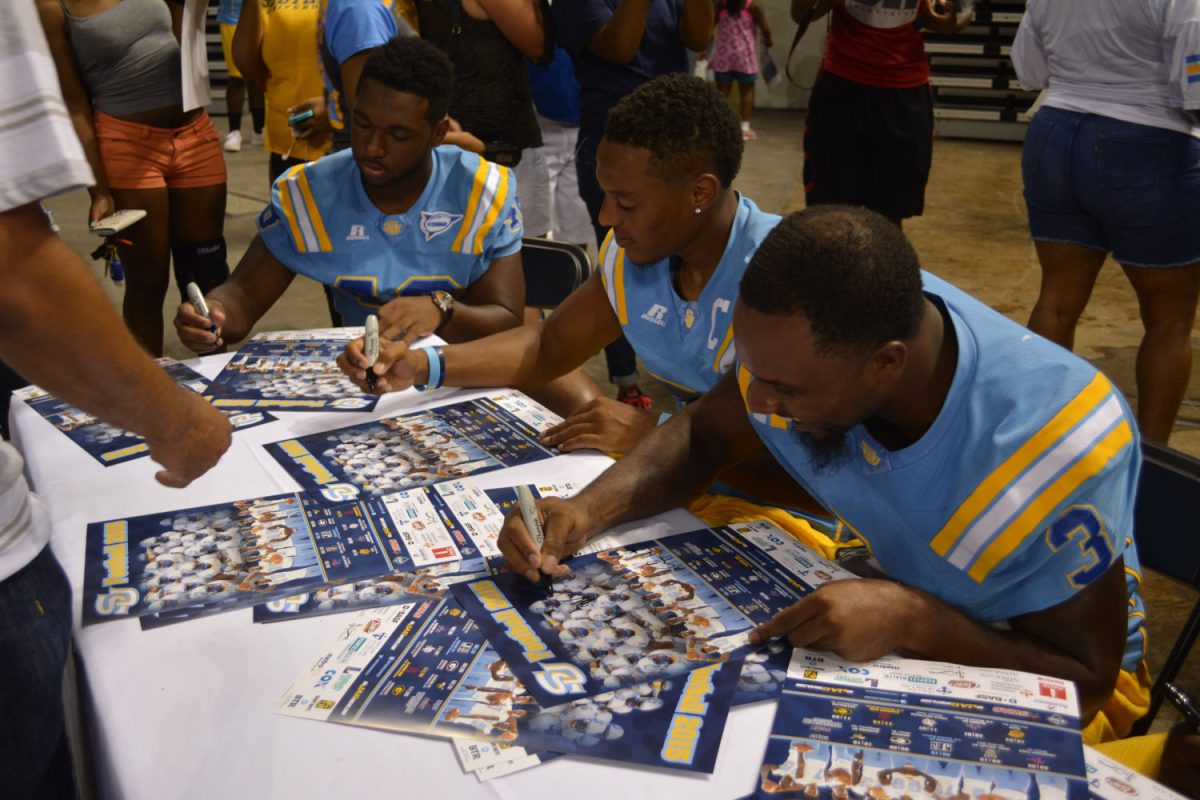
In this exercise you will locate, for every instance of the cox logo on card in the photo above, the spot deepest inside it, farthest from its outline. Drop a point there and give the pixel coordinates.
(340, 492)
(559, 678)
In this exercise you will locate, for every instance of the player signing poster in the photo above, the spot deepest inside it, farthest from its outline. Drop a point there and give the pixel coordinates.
(470, 519)
(426, 668)
(110, 445)
(417, 449)
(644, 612)
(183, 564)
(899, 728)
(291, 371)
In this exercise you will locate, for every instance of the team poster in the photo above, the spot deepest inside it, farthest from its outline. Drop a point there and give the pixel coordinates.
(644, 612)
(291, 371)
(417, 449)
(467, 517)
(183, 564)
(110, 445)
(897, 728)
(426, 668)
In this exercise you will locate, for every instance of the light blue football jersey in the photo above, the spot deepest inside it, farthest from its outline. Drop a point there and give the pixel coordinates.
(686, 345)
(1020, 494)
(320, 223)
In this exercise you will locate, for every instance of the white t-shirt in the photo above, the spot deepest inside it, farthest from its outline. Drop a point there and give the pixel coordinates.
(40, 156)
(1133, 61)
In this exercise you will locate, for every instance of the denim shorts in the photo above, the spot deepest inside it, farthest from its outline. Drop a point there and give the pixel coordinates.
(743, 78)
(1132, 190)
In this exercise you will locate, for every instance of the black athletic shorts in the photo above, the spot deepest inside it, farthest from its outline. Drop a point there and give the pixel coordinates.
(868, 146)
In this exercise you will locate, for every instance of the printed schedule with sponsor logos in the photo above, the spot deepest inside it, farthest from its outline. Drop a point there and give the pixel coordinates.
(425, 667)
(110, 445)
(290, 371)
(396, 453)
(900, 728)
(454, 515)
(183, 564)
(642, 612)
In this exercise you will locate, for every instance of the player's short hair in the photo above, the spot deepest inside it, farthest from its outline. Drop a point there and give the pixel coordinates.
(412, 65)
(686, 125)
(847, 270)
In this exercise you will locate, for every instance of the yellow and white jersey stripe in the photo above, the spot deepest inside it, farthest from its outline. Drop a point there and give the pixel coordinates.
(612, 275)
(1012, 503)
(488, 193)
(302, 213)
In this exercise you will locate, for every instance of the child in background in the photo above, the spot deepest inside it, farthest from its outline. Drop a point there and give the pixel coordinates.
(735, 53)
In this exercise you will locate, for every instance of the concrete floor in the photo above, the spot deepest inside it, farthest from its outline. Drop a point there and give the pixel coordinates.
(974, 233)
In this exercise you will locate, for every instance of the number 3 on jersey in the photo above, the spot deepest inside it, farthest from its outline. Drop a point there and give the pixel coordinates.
(1083, 525)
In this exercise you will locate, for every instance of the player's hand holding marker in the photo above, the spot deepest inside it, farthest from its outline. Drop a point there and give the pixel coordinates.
(198, 322)
(859, 620)
(601, 424)
(396, 368)
(566, 530)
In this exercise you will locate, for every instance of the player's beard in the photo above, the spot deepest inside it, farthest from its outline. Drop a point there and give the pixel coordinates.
(825, 454)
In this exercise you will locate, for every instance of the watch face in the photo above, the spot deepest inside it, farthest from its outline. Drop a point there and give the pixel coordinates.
(443, 299)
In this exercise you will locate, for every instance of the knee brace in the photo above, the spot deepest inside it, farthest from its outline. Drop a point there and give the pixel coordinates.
(201, 262)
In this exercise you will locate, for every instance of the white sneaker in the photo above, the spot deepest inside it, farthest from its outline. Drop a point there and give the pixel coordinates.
(233, 142)
(256, 140)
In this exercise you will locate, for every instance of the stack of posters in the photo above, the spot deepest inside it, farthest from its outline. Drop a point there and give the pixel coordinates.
(899, 728)
(110, 445)
(396, 453)
(291, 371)
(453, 516)
(426, 668)
(648, 611)
(197, 561)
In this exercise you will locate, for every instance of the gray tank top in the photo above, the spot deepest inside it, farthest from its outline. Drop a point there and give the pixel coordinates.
(128, 58)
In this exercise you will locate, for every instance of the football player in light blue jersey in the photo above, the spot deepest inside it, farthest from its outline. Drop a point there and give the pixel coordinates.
(991, 472)
(669, 269)
(427, 237)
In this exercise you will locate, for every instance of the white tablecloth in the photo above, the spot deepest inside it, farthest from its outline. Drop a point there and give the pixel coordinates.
(186, 711)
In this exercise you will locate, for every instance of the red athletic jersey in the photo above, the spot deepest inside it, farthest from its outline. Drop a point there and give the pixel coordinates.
(875, 43)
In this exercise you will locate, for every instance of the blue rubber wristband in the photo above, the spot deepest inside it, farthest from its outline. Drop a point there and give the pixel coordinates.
(437, 368)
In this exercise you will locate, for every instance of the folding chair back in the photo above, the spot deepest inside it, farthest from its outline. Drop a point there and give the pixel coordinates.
(552, 270)
(1165, 518)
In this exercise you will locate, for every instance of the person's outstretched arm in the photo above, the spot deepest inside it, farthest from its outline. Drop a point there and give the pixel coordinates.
(59, 330)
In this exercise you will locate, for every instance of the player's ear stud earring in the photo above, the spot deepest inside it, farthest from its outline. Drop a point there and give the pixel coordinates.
(697, 211)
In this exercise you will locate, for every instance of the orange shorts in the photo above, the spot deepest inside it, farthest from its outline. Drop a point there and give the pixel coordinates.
(143, 157)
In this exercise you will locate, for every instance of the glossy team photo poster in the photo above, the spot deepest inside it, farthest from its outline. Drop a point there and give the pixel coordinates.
(426, 668)
(110, 445)
(417, 449)
(646, 611)
(901, 728)
(183, 564)
(290, 371)
(468, 517)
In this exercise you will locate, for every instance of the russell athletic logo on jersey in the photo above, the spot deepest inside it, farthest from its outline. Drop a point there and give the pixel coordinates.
(358, 233)
(657, 315)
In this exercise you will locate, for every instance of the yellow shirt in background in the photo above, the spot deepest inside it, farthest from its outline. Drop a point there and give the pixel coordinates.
(289, 49)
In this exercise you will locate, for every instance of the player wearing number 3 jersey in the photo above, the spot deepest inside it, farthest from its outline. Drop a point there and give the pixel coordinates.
(991, 473)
